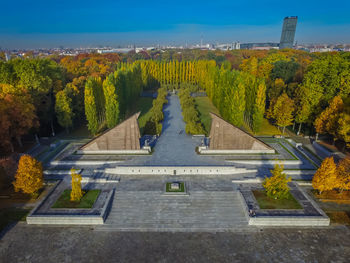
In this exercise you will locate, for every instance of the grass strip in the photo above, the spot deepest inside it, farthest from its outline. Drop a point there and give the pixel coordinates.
(266, 202)
(87, 201)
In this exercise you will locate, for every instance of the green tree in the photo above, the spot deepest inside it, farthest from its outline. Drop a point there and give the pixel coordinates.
(112, 104)
(63, 109)
(90, 108)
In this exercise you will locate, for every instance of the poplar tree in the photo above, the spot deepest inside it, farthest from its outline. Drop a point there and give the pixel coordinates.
(112, 105)
(259, 107)
(63, 108)
(90, 107)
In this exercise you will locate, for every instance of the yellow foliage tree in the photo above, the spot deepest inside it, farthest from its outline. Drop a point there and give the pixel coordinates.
(343, 174)
(325, 178)
(281, 110)
(327, 122)
(276, 186)
(76, 193)
(29, 176)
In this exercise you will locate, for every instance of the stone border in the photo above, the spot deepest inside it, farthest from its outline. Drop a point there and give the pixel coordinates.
(179, 170)
(144, 151)
(68, 219)
(86, 162)
(184, 193)
(206, 151)
(286, 217)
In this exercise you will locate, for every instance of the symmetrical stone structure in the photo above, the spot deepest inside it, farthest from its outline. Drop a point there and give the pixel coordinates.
(226, 138)
(122, 139)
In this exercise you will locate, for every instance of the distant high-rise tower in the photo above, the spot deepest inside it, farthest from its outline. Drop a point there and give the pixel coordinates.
(288, 32)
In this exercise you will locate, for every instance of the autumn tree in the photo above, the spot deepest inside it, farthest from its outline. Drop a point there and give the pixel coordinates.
(282, 111)
(29, 176)
(328, 121)
(276, 186)
(325, 178)
(76, 194)
(17, 115)
(344, 127)
(343, 174)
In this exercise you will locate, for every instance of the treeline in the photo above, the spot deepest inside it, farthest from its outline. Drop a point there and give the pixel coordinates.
(302, 84)
(154, 125)
(172, 74)
(190, 113)
(288, 87)
(106, 101)
(237, 95)
(27, 98)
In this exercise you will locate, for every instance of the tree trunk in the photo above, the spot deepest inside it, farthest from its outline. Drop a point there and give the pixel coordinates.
(19, 140)
(299, 128)
(11, 147)
(37, 139)
(52, 129)
(334, 139)
(283, 129)
(293, 126)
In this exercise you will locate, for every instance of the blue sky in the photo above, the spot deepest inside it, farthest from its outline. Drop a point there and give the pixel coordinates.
(38, 23)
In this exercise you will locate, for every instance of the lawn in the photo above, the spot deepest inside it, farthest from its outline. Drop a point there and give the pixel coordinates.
(181, 190)
(12, 215)
(267, 129)
(338, 217)
(266, 202)
(143, 104)
(204, 107)
(333, 196)
(87, 201)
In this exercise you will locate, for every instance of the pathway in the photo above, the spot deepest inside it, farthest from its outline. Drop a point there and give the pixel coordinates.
(174, 146)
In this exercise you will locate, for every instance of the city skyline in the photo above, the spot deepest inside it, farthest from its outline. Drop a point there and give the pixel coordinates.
(83, 24)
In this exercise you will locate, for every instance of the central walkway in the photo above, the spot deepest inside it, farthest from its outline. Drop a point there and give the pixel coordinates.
(140, 203)
(174, 146)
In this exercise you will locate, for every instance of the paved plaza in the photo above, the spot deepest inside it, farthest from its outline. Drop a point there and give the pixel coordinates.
(211, 204)
(84, 244)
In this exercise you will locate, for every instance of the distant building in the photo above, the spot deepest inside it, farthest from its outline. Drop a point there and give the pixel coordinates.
(259, 46)
(7, 56)
(236, 45)
(288, 32)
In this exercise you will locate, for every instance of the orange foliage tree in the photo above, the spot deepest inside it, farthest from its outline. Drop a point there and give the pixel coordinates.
(343, 174)
(29, 176)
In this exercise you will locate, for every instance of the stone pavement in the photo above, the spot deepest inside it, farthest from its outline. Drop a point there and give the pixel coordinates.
(140, 204)
(25, 243)
(174, 146)
(154, 211)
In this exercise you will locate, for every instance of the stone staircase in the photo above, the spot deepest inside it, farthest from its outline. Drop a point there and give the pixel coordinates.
(203, 211)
